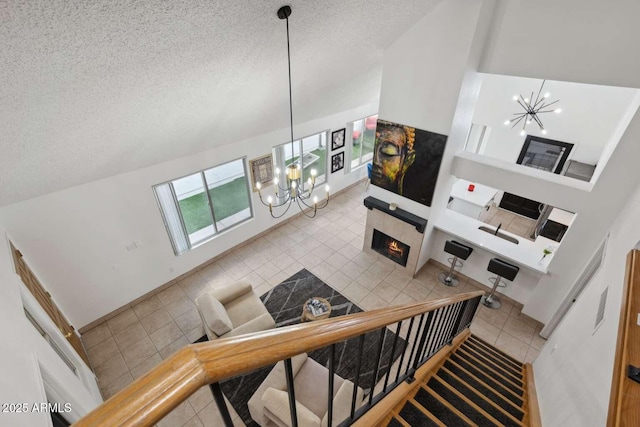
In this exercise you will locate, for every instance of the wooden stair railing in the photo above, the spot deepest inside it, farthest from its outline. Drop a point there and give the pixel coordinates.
(624, 402)
(147, 400)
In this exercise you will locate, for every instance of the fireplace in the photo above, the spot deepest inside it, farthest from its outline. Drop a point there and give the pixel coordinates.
(391, 248)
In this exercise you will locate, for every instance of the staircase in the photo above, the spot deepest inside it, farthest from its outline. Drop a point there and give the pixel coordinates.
(477, 385)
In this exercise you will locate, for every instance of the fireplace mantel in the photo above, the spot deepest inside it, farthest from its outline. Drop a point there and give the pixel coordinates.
(419, 223)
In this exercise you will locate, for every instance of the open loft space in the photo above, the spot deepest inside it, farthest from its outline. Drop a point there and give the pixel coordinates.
(174, 178)
(579, 124)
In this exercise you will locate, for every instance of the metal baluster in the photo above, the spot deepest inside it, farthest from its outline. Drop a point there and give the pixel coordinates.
(222, 406)
(393, 350)
(451, 321)
(428, 341)
(357, 379)
(441, 328)
(458, 319)
(332, 357)
(375, 371)
(404, 350)
(288, 370)
(437, 328)
(413, 348)
(423, 339)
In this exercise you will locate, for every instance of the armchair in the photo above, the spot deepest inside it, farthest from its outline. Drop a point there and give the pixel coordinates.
(233, 310)
(269, 405)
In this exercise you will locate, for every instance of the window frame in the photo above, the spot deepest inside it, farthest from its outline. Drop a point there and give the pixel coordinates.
(192, 245)
(349, 150)
(300, 142)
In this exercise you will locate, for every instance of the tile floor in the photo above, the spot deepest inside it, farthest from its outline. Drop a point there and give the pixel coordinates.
(511, 222)
(126, 346)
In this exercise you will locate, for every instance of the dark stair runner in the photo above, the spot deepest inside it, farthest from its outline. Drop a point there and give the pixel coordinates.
(477, 385)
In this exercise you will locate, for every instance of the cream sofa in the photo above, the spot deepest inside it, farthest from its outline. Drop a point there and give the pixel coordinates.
(269, 405)
(233, 310)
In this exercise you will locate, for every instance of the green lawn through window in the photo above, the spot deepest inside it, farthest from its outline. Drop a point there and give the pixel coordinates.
(228, 199)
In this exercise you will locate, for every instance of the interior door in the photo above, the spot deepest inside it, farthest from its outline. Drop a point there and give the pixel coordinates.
(538, 153)
(44, 299)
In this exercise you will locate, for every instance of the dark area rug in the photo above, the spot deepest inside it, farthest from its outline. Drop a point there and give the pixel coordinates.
(284, 302)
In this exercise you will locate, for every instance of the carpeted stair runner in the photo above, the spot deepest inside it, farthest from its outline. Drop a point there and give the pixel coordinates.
(477, 385)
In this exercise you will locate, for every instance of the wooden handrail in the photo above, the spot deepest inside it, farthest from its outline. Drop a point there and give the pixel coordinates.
(147, 400)
(624, 401)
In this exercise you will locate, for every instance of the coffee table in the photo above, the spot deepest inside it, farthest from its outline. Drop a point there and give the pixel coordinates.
(307, 316)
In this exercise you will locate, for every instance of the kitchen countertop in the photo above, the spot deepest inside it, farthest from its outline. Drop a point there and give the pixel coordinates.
(480, 196)
(525, 254)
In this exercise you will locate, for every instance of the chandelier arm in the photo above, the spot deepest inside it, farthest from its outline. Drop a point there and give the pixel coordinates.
(286, 200)
(537, 103)
(525, 107)
(518, 121)
(283, 213)
(304, 211)
(538, 121)
(551, 103)
(539, 92)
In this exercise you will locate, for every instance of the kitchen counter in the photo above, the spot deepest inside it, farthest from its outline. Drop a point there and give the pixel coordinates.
(526, 254)
(480, 196)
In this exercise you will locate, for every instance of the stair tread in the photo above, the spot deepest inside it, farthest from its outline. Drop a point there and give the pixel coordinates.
(489, 380)
(491, 369)
(481, 399)
(415, 417)
(395, 423)
(437, 408)
(496, 382)
(485, 356)
(492, 352)
(498, 351)
(460, 404)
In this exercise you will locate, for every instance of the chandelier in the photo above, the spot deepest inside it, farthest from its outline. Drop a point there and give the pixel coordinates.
(532, 108)
(294, 190)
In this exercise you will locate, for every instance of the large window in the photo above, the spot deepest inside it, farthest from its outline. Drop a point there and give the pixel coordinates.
(193, 215)
(363, 136)
(314, 156)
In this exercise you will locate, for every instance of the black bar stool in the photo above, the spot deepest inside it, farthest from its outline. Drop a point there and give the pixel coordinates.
(504, 270)
(458, 250)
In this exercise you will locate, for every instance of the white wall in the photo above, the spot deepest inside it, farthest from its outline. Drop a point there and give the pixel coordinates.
(584, 41)
(427, 72)
(75, 239)
(23, 350)
(573, 381)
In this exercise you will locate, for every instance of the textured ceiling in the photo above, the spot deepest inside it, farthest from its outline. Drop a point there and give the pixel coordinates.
(90, 89)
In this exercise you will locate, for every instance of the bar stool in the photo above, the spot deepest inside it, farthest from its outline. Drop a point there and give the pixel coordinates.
(458, 250)
(504, 270)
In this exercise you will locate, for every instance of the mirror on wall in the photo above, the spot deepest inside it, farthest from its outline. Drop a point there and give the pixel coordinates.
(577, 134)
(522, 217)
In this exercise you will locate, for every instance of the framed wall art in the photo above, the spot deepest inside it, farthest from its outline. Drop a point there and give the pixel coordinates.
(337, 162)
(261, 171)
(337, 139)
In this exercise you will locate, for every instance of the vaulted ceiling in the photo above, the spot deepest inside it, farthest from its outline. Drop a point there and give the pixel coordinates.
(91, 89)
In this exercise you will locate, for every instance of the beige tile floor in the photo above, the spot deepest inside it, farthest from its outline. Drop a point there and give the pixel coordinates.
(126, 346)
(511, 222)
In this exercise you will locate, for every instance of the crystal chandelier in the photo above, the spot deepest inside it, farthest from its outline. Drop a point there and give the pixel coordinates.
(294, 188)
(532, 108)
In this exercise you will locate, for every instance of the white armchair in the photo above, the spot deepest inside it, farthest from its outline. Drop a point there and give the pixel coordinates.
(233, 310)
(269, 405)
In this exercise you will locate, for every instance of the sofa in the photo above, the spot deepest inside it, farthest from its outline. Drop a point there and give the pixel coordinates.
(233, 310)
(269, 405)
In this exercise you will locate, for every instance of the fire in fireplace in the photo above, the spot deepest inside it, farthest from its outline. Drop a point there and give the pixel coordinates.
(391, 248)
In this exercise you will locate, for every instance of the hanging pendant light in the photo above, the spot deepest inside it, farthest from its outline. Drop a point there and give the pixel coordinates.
(294, 188)
(532, 109)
